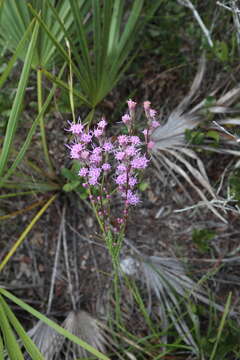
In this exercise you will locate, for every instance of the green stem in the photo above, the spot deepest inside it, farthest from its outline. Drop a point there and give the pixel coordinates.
(117, 293)
(41, 120)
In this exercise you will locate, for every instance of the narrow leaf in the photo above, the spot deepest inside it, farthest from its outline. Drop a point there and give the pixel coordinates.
(31, 132)
(16, 108)
(10, 341)
(26, 340)
(53, 325)
(15, 56)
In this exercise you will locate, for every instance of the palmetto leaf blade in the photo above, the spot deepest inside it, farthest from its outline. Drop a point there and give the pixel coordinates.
(16, 108)
(171, 148)
(87, 328)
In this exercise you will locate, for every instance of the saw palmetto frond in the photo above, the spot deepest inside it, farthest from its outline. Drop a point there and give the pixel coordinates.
(170, 291)
(171, 150)
(87, 328)
(48, 341)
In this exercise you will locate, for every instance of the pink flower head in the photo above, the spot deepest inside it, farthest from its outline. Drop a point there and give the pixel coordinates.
(132, 199)
(97, 150)
(122, 139)
(94, 172)
(152, 113)
(121, 168)
(120, 220)
(98, 132)
(75, 151)
(155, 124)
(102, 124)
(126, 119)
(120, 155)
(95, 158)
(84, 155)
(132, 181)
(135, 140)
(121, 179)
(76, 128)
(131, 104)
(86, 138)
(107, 146)
(130, 150)
(150, 145)
(139, 162)
(106, 167)
(93, 180)
(146, 105)
(83, 171)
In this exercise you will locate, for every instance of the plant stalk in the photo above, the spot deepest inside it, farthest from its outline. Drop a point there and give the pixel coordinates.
(41, 120)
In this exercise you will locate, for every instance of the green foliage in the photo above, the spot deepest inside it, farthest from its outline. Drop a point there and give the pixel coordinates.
(234, 182)
(194, 137)
(214, 135)
(165, 40)
(202, 238)
(7, 317)
(10, 344)
(221, 51)
(105, 55)
(143, 186)
(16, 17)
(198, 137)
(74, 182)
(17, 104)
(219, 339)
(102, 38)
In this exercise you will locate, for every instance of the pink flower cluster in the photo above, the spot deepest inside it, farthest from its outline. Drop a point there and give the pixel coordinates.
(118, 158)
(152, 123)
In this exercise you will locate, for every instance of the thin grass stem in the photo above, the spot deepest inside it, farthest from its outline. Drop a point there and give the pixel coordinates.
(41, 120)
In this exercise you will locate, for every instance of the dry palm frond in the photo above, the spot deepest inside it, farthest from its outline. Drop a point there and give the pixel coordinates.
(87, 328)
(171, 150)
(167, 280)
(48, 341)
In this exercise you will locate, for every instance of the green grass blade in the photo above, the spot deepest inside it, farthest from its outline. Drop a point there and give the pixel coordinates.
(82, 38)
(16, 55)
(106, 20)
(53, 325)
(12, 24)
(65, 86)
(26, 340)
(97, 39)
(10, 341)
(120, 43)
(58, 46)
(131, 23)
(66, 33)
(31, 132)
(16, 108)
(221, 326)
(1, 8)
(20, 193)
(1, 348)
(85, 52)
(37, 187)
(53, 39)
(114, 31)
